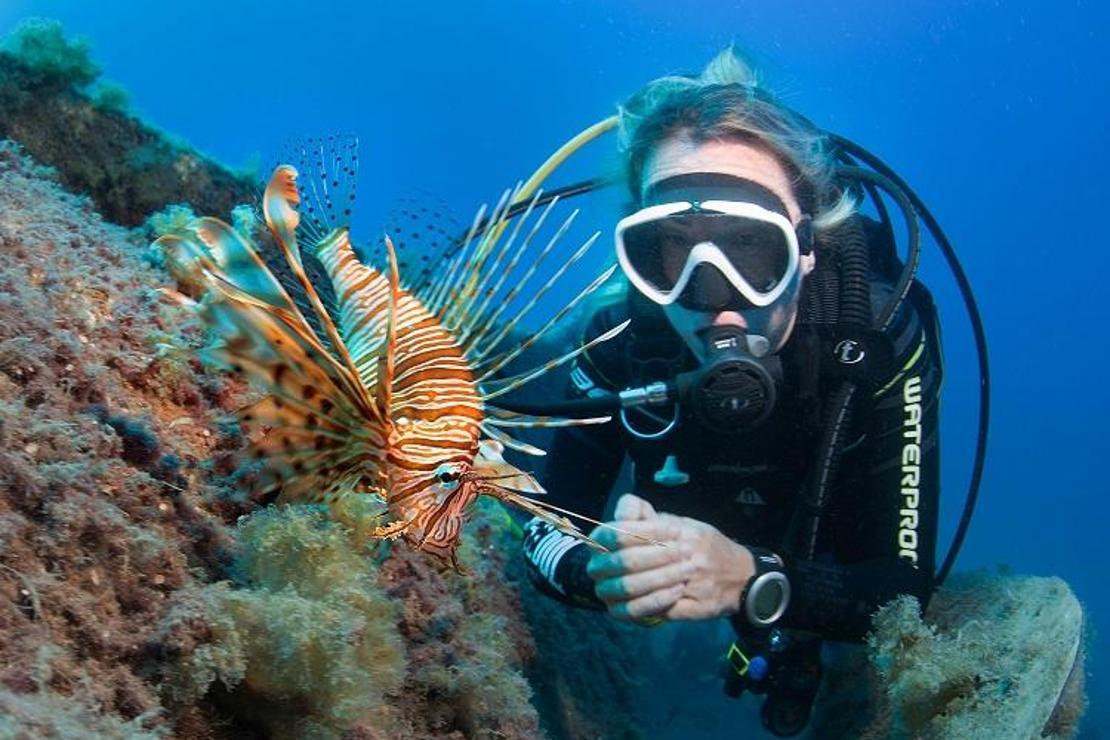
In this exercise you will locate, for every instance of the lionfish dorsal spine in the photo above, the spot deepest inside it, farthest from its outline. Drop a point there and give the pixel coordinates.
(506, 385)
(481, 266)
(279, 206)
(492, 277)
(482, 355)
(389, 356)
(485, 319)
(442, 299)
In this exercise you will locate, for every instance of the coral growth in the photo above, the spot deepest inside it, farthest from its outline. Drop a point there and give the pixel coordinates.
(308, 641)
(48, 57)
(97, 445)
(132, 598)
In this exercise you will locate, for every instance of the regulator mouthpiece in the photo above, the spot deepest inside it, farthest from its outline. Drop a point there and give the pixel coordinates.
(734, 391)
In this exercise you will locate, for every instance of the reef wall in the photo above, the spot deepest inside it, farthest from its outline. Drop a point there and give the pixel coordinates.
(135, 599)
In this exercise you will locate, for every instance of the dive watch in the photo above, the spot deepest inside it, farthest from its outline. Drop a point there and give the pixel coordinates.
(765, 598)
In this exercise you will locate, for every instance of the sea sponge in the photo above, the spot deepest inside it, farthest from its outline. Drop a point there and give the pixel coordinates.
(172, 218)
(112, 96)
(245, 220)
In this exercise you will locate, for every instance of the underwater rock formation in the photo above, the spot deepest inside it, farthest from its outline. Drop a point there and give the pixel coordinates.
(131, 599)
(141, 593)
(133, 605)
(128, 168)
(996, 656)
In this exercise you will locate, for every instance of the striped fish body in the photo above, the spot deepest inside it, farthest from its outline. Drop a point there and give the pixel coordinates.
(435, 412)
(391, 396)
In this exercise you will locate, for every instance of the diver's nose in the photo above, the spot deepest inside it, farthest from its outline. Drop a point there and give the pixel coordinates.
(731, 318)
(710, 290)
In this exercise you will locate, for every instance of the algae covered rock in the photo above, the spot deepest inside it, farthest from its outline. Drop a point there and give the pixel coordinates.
(128, 168)
(997, 656)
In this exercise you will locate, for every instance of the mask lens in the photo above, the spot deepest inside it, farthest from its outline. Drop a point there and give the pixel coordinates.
(757, 249)
(658, 250)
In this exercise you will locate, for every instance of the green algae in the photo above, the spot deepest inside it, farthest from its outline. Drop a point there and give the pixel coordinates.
(40, 46)
(307, 639)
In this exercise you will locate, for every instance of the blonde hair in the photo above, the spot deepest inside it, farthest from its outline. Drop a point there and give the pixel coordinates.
(726, 102)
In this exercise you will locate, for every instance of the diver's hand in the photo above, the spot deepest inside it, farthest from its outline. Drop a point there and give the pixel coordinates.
(698, 573)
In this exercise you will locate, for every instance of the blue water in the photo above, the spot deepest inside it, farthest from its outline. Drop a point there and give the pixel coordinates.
(996, 112)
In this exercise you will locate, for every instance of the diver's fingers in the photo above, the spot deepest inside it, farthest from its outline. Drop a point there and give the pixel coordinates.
(650, 605)
(635, 585)
(660, 528)
(631, 507)
(631, 560)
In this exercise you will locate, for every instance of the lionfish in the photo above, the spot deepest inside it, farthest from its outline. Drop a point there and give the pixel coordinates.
(392, 392)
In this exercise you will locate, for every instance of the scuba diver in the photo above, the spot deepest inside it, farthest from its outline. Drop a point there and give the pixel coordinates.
(777, 388)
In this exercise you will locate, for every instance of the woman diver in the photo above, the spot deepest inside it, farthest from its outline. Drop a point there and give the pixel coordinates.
(780, 391)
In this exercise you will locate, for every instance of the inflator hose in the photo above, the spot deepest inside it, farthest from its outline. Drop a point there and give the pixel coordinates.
(851, 149)
(855, 310)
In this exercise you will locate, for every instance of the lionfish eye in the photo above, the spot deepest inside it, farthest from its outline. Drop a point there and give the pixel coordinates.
(446, 474)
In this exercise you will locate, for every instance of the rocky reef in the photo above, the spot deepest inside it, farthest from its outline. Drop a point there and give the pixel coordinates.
(996, 655)
(142, 593)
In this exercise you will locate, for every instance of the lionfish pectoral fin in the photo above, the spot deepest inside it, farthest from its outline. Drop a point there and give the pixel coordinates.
(514, 444)
(546, 512)
(490, 465)
(242, 266)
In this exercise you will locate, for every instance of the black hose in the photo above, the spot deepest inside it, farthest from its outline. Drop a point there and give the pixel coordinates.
(977, 329)
(855, 310)
(855, 275)
(801, 535)
(880, 208)
(913, 254)
(567, 191)
(571, 407)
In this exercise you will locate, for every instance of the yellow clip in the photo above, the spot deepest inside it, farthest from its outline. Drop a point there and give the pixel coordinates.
(733, 653)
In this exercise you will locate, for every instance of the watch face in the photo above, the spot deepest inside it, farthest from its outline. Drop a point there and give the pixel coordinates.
(768, 600)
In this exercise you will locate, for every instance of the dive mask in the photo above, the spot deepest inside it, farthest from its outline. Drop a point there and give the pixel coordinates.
(695, 221)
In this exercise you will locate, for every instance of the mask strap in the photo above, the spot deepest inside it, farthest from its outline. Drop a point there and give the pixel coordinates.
(804, 232)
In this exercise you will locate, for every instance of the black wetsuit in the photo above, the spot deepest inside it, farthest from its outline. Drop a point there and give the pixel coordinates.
(877, 536)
